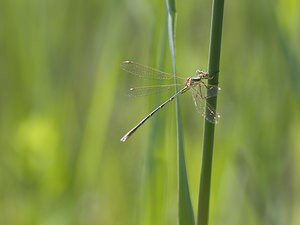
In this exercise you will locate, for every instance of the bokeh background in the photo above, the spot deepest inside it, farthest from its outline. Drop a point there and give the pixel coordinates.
(63, 109)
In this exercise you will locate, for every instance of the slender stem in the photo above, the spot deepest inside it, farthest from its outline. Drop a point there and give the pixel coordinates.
(209, 128)
(185, 210)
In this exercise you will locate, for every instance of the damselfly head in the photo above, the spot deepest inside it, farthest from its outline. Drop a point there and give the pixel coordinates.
(202, 73)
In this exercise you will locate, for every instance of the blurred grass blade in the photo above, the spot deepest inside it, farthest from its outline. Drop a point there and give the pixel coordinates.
(185, 210)
(209, 128)
(172, 16)
(152, 204)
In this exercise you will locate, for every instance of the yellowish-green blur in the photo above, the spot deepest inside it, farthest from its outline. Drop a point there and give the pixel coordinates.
(63, 110)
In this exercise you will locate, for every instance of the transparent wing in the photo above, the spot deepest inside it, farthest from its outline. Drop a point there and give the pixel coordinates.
(199, 90)
(199, 98)
(211, 115)
(145, 71)
(149, 90)
(212, 90)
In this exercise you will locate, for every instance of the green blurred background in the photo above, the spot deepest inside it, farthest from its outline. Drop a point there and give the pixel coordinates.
(63, 109)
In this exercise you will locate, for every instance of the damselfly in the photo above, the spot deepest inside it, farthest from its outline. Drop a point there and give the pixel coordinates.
(194, 83)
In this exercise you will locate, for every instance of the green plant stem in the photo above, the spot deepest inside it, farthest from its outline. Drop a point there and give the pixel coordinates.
(209, 128)
(185, 210)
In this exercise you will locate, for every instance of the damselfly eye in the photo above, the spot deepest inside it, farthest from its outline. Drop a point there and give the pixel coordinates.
(202, 73)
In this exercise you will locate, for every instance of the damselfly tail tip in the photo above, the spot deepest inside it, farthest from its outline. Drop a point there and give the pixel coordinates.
(124, 138)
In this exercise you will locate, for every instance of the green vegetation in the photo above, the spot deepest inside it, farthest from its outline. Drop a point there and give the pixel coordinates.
(63, 110)
(185, 209)
(209, 128)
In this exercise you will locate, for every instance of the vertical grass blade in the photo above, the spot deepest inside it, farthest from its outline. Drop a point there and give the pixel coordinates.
(185, 210)
(152, 203)
(209, 128)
